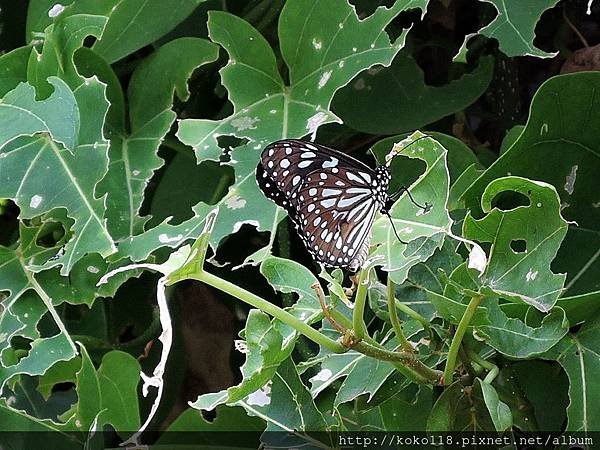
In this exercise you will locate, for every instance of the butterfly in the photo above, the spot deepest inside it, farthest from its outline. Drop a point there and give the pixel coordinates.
(330, 197)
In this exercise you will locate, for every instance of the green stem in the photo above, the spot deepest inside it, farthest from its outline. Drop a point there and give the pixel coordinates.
(383, 354)
(458, 336)
(391, 299)
(493, 368)
(414, 370)
(412, 313)
(358, 321)
(269, 308)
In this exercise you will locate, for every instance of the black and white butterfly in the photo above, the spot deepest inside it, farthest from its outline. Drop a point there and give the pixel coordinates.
(331, 198)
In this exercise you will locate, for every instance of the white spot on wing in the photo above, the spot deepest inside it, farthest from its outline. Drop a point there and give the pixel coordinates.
(333, 162)
(317, 44)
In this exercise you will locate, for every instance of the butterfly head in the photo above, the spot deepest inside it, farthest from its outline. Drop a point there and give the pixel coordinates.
(382, 182)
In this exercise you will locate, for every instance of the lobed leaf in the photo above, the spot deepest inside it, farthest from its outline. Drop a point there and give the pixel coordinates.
(515, 273)
(579, 355)
(514, 27)
(562, 133)
(423, 230)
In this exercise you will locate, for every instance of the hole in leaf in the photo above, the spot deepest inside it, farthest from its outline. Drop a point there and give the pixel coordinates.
(518, 245)
(508, 200)
(50, 234)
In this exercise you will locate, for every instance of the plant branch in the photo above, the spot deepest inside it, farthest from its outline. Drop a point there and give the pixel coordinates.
(490, 366)
(358, 320)
(391, 301)
(269, 308)
(458, 336)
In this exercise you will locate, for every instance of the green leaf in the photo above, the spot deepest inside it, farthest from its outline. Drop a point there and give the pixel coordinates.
(132, 25)
(579, 355)
(41, 175)
(233, 212)
(265, 109)
(39, 16)
(560, 132)
(108, 395)
(133, 158)
(365, 376)
(293, 408)
(520, 255)
(44, 352)
(28, 428)
(15, 69)
(61, 372)
(425, 231)
(88, 392)
(499, 411)
(514, 27)
(516, 339)
(391, 100)
(119, 377)
(469, 408)
(580, 307)
(321, 56)
(291, 277)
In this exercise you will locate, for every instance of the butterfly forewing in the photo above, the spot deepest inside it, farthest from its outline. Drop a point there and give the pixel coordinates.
(330, 197)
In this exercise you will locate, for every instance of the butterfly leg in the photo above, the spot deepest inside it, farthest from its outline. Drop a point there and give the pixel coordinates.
(426, 208)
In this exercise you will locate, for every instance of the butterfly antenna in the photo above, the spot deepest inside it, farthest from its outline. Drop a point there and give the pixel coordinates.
(394, 228)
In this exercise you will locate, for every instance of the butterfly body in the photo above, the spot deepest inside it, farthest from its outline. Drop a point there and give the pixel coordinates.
(330, 197)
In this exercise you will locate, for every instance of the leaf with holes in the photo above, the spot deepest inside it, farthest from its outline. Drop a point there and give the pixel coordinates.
(294, 411)
(60, 166)
(516, 339)
(514, 27)
(562, 132)
(324, 46)
(133, 156)
(524, 241)
(423, 230)
(389, 100)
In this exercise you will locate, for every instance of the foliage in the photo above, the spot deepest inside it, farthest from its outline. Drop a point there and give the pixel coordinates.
(129, 138)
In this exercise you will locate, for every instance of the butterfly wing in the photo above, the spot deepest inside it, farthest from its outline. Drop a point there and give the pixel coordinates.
(330, 197)
(334, 218)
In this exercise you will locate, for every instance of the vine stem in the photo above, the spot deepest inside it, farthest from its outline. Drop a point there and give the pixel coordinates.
(358, 320)
(269, 308)
(493, 368)
(393, 312)
(458, 337)
(411, 368)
